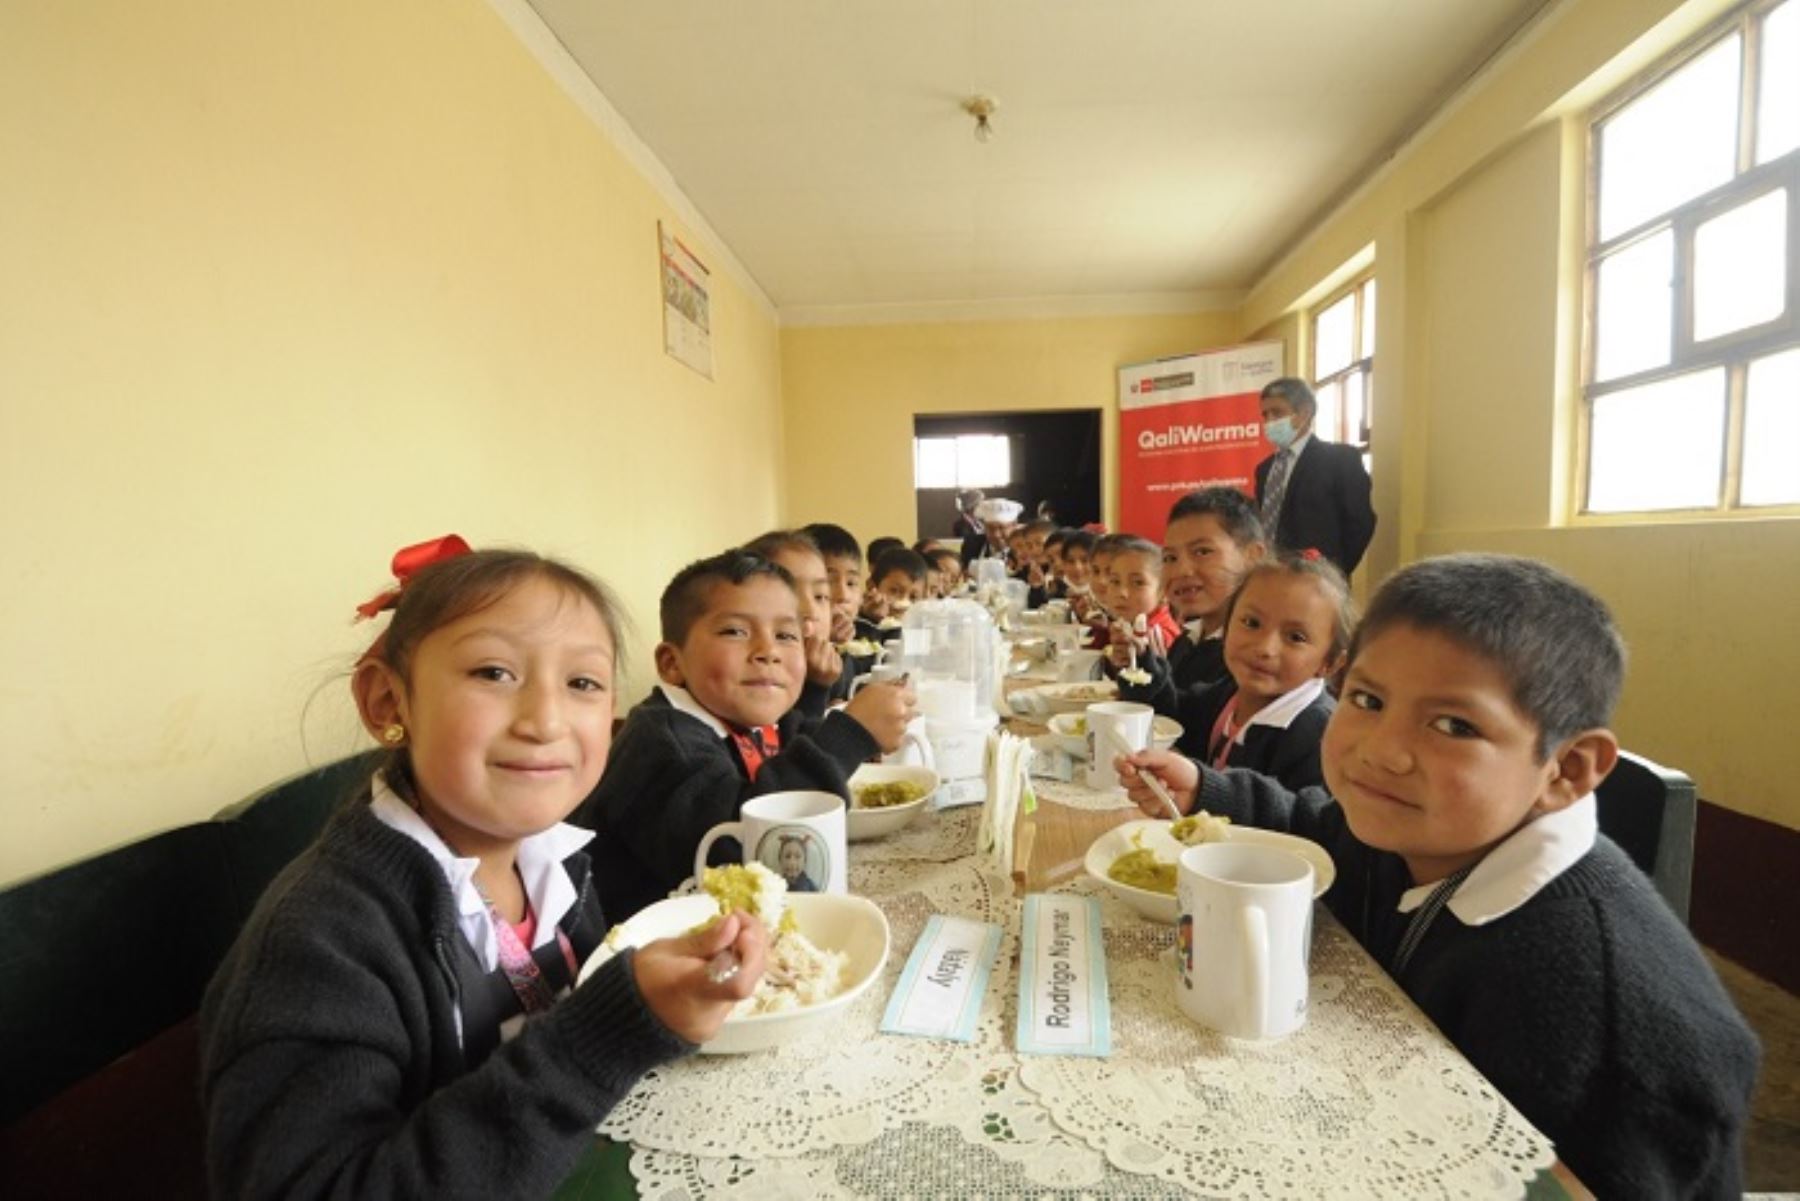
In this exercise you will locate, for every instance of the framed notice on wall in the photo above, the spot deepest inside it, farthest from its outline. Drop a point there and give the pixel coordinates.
(1190, 422)
(687, 304)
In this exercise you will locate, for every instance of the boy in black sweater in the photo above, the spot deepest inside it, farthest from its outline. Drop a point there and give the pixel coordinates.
(722, 727)
(1463, 758)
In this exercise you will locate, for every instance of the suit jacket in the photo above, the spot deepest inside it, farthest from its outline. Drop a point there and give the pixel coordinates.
(1326, 505)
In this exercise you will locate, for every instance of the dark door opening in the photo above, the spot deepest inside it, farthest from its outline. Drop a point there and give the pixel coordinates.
(1050, 456)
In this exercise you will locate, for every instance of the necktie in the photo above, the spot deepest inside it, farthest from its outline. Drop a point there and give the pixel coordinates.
(1274, 489)
(756, 744)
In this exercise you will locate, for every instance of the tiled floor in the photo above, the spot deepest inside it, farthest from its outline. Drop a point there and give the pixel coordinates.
(1772, 1150)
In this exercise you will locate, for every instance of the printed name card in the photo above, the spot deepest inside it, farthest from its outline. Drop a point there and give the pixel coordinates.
(939, 994)
(1063, 1007)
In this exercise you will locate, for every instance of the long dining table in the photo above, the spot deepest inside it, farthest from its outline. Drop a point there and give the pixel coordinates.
(1366, 1100)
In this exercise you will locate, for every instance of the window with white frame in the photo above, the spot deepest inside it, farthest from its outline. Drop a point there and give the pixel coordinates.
(1343, 341)
(1692, 358)
(965, 461)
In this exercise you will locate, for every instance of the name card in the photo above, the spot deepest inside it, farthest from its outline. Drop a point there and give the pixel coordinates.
(1063, 1008)
(939, 994)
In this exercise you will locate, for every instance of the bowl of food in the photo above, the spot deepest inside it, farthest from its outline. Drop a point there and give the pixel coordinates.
(886, 796)
(1068, 732)
(1136, 861)
(827, 951)
(1064, 698)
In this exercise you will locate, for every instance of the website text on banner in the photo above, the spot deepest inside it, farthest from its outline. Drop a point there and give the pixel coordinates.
(1190, 422)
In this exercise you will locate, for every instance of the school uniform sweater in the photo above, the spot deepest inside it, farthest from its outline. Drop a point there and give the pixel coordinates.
(331, 1059)
(671, 777)
(1191, 664)
(1281, 742)
(1588, 1005)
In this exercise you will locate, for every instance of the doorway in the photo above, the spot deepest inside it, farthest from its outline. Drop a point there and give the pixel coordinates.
(1049, 456)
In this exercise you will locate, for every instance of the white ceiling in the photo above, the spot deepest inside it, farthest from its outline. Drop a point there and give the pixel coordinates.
(1152, 149)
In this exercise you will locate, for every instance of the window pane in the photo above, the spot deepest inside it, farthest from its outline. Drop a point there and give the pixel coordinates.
(1333, 338)
(1778, 105)
(1325, 423)
(1672, 143)
(934, 462)
(1659, 446)
(983, 461)
(1772, 431)
(1740, 267)
(1631, 327)
(1368, 338)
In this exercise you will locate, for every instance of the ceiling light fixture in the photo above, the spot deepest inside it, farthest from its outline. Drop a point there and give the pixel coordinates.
(981, 108)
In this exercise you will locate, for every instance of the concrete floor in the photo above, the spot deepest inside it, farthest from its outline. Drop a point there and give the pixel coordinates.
(1772, 1146)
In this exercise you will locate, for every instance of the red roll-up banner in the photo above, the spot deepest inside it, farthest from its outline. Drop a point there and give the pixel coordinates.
(1190, 422)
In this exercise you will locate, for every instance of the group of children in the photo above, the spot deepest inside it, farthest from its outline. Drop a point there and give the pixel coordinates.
(400, 1014)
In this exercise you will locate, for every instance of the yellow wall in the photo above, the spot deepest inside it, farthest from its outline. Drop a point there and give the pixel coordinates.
(1479, 241)
(286, 287)
(851, 393)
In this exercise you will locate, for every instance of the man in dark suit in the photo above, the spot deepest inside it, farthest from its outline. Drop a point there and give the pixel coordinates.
(1311, 493)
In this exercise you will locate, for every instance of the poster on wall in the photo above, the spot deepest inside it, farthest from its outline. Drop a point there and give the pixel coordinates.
(687, 312)
(1186, 422)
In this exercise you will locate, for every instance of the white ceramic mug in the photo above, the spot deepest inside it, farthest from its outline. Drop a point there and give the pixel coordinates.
(797, 835)
(1243, 935)
(1115, 728)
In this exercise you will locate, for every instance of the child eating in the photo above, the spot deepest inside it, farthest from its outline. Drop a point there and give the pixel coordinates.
(722, 727)
(1461, 817)
(398, 1016)
(1139, 617)
(1287, 629)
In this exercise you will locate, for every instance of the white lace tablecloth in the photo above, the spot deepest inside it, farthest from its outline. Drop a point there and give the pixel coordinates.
(1367, 1100)
(1076, 795)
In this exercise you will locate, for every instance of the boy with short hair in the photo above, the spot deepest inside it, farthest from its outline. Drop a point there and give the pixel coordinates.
(1463, 758)
(899, 576)
(948, 566)
(1213, 537)
(799, 556)
(720, 728)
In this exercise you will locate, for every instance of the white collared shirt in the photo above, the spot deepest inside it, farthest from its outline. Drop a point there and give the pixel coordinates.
(1282, 711)
(1197, 634)
(1518, 869)
(540, 863)
(683, 700)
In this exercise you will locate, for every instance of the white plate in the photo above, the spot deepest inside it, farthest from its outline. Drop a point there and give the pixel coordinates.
(1155, 835)
(873, 823)
(1163, 733)
(834, 923)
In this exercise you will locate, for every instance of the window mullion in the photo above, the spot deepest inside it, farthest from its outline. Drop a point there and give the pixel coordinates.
(1737, 384)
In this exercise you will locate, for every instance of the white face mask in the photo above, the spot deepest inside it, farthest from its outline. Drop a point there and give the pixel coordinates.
(1280, 431)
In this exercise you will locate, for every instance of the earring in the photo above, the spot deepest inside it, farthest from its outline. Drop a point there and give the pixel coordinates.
(393, 733)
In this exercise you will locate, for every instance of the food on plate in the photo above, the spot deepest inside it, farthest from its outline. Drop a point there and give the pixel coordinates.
(1142, 869)
(1199, 827)
(1100, 691)
(886, 796)
(797, 973)
(860, 648)
(1135, 675)
(889, 623)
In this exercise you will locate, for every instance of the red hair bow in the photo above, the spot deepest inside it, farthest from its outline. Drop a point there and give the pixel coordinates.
(408, 561)
(1311, 554)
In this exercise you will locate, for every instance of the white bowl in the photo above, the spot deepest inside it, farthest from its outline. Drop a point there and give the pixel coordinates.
(1159, 907)
(1069, 733)
(873, 823)
(1073, 698)
(834, 923)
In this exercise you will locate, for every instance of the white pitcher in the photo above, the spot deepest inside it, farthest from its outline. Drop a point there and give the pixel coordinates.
(1243, 935)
